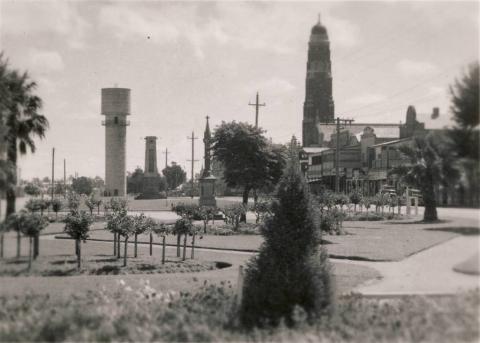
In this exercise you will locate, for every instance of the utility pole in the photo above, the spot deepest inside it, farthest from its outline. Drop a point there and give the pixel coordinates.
(53, 171)
(257, 105)
(337, 151)
(193, 160)
(64, 178)
(166, 157)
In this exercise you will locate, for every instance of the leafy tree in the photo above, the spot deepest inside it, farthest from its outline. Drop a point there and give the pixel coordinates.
(206, 213)
(135, 181)
(30, 225)
(77, 226)
(291, 269)
(428, 164)
(367, 203)
(174, 175)
(118, 207)
(93, 202)
(261, 208)
(355, 199)
(13, 223)
(249, 160)
(161, 230)
(183, 227)
(82, 185)
(341, 199)
(234, 213)
(73, 202)
(141, 224)
(57, 205)
(20, 107)
(465, 135)
(32, 189)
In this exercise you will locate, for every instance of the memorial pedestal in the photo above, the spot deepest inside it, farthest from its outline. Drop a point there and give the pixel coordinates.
(207, 191)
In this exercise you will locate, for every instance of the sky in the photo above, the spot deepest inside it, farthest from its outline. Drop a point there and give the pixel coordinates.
(186, 60)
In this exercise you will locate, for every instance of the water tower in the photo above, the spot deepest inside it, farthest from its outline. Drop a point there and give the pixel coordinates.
(115, 108)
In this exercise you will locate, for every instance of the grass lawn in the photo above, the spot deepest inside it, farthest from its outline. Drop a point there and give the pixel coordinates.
(371, 241)
(347, 276)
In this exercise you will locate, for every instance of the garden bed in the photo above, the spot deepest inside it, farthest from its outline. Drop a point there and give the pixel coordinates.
(65, 265)
(141, 313)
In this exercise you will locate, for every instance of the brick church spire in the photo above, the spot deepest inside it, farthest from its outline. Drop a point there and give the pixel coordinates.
(318, 105)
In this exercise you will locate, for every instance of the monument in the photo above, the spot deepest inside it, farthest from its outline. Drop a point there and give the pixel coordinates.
(207, 180)
(151, 177)
(115, 107)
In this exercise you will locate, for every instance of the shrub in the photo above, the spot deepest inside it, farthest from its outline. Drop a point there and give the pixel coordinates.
(248, 229)
(291, 269)
(233, 213)
(355, 199)
(222, 230)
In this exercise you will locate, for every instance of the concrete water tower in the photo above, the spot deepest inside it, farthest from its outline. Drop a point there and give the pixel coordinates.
(115, 108)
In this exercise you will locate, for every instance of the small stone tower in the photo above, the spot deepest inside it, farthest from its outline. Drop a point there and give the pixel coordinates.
(318, 106)
(115, 107)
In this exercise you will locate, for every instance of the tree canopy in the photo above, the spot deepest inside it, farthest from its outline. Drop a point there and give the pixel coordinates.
(82, 185)
(20, 108)
(249, 159)
(174, 175)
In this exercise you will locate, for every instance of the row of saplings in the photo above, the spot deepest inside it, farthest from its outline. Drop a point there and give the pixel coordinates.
(121, 224)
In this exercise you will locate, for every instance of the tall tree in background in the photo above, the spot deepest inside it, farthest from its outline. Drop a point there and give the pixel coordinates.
(82, 185)
(250, 161)
(20, 107)
(135, 181)
(465, 134)
(174, 175)
(429, 164)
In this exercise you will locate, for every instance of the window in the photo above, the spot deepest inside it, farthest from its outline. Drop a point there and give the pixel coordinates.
(115, 120)
(115, 192)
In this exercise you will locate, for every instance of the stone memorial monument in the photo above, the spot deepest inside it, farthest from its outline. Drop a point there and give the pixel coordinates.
(151, 178)
(207, 180)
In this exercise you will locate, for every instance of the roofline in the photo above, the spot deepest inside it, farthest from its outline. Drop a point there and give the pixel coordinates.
(391, 142)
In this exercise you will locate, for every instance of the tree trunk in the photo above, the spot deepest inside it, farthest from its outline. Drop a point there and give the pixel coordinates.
(36, 245)
(79, 255)
(135, 246)
(430, 213)
(163, 249)
(243, 218)
(179, 238)
(192, 256)
(115, 244)
(151, 244)
(118, 245)
(125, 252)
(11, 177)
(184, 257)
(30, 248)
(19, 238)
(1, 245)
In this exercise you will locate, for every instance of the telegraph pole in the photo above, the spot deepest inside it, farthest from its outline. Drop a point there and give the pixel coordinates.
(166, 157)
(64, 178)
(193, 160)
(53, 171)
(257, 105)
(337, 151)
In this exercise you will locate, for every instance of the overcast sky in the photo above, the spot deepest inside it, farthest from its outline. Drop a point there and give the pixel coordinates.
(186, 60)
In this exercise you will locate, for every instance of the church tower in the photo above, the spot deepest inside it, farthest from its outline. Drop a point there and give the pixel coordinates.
(318, 105)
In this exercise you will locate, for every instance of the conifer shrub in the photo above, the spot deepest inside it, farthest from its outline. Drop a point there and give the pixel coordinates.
(291, 269)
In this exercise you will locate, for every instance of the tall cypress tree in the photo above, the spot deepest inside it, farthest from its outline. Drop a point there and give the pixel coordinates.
(291, 268)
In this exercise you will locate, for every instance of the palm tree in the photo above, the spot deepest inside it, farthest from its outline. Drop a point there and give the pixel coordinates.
(429, 163)
(23, 122)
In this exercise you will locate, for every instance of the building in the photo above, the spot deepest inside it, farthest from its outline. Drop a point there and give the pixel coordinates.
(318, 106)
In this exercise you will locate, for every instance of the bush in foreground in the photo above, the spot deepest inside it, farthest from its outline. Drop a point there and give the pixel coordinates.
(142, 314)
(291, 270)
